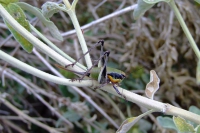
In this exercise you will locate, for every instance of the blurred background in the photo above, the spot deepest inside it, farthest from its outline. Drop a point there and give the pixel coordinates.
(153, 42)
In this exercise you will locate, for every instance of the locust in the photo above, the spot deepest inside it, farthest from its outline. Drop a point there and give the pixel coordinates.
(103, 74)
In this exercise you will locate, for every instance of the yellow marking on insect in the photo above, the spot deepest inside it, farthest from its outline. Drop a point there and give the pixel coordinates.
(113, 80)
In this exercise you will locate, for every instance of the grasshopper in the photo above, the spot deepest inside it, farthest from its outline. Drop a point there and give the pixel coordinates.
(103, 74)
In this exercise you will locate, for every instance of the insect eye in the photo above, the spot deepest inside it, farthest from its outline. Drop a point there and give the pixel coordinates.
(123, 76)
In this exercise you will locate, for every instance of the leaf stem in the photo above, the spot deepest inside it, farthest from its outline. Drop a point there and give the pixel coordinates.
(72, 14)
(185, 29)
(55, 47)
(35, 41)
(29, 69)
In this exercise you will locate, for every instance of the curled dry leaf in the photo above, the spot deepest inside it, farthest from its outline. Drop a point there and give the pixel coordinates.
(153, 85)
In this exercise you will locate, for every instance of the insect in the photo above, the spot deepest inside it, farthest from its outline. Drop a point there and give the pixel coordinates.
(103, 74)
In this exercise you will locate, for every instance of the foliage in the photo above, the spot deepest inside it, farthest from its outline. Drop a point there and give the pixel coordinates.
(155, 41)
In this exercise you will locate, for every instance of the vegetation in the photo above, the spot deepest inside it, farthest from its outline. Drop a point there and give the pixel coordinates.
(144, 39)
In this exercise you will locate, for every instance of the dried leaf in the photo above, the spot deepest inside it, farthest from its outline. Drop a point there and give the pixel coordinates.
(153, 85)
(155, 1)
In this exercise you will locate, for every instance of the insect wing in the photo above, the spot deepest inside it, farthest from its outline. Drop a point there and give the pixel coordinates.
(102, 78)
(102, 59)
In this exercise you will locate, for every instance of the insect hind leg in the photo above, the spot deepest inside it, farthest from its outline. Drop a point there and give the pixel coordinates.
(101, 42)
(87, 73)
(118, 91)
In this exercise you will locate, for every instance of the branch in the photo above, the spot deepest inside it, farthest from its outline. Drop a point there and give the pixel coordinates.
(93, 23)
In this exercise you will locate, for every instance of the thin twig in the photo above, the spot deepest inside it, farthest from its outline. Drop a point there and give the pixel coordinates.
(93, 23)
(24, 116)
(29, 89)
(12, 125)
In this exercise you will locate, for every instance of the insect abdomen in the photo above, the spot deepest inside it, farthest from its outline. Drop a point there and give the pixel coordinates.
(114, 77)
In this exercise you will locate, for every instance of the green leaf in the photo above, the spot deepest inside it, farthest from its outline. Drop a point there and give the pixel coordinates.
(141, 8)
(144, 125)
(6, 2)
(198, 129)
(17, 13)
(49, 24)
(155, 1)
(49, 8)
(70, 93)
(166, 122)
(127, 124)
(68, 74)
(198, 1)
(138, 71)
(130, 122)
(72, 116)
(194, 109)
(182, 125)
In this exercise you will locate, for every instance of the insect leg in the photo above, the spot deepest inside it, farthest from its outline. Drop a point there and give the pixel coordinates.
(61, 67)
(101, 42)
(118, 91)
(88, 71)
